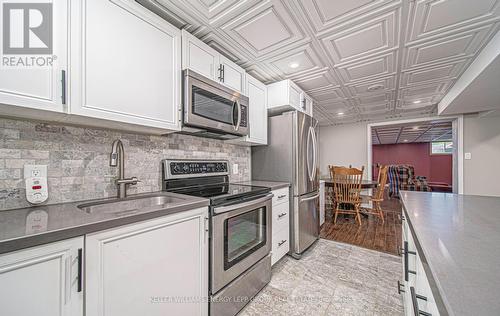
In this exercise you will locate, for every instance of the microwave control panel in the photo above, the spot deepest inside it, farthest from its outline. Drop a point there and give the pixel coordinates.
(244, 116)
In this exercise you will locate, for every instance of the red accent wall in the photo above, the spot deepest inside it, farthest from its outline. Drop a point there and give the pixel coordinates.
(437, 168)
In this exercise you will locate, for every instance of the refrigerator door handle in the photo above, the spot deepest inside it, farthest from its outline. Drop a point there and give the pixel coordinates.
(315, 151)
(310, 198)
(310, 138)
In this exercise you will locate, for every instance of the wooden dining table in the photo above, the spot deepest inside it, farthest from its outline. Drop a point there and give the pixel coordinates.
(365, 184)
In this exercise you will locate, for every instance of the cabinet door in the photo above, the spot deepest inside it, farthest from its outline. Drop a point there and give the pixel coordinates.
(125, 64)
(307, 105)
(42, 280)
(295, 95)
(257, 95)
(233, 75)
(34, 86)
(137, 269)
(199, 57)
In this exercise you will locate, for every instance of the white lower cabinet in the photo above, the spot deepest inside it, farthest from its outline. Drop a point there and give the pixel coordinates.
(280, 224)
(157, 267)
(417, 291)
(42, 280)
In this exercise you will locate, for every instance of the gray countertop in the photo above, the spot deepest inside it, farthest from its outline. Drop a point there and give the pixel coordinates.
(27, 227)
(273, 185)
(459, 236)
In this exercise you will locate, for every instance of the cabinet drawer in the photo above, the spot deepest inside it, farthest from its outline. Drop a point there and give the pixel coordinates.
(281, 217)
(281, 245)
(281, 196)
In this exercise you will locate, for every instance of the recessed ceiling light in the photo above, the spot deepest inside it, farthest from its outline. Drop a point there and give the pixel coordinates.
(294, 65)
(415, 128)
(340, 113)
(405, 140)
(417, 101)
(375, 87)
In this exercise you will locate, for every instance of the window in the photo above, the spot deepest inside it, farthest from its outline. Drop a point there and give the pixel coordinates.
(441, 148)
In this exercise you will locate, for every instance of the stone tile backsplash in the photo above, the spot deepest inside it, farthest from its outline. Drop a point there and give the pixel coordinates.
(78, 159)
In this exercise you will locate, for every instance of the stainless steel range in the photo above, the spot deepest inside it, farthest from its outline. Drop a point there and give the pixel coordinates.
(240, 230)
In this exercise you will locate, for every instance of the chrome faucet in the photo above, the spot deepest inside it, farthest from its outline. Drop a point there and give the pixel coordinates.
(117, 152)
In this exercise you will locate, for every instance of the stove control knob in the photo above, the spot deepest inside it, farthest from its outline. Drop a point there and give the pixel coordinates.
(176, 168)
(185, 168)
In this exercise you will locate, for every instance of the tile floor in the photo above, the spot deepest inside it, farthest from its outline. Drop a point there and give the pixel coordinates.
(332, 279)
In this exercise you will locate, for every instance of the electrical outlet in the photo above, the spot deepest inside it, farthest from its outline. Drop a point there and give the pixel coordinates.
(235, 168)
(35, 171)
(468, 156)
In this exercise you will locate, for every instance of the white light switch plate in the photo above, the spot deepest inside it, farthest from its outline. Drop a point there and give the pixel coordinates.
(235, 168)
(468, 156)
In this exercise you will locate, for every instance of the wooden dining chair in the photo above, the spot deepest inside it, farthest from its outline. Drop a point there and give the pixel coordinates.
(331, 194)
(346, 191)
(378, 197)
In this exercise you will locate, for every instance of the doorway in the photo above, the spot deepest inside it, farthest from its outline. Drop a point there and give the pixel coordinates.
(432, 146)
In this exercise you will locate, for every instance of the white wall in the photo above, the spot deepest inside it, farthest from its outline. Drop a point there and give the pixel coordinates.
(482, 140)
(343, 146)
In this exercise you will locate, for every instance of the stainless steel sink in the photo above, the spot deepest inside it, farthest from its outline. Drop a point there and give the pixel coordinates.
(131, 204)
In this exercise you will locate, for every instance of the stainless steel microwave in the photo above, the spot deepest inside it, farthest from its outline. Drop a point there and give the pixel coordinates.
(211, 109)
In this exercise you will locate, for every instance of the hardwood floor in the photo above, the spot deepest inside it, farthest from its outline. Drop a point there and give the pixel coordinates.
(372, 234)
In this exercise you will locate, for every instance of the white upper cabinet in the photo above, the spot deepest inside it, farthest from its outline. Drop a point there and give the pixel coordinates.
(257, 95)
(125, 64)
(35, 87)
(232, 75)
(198, 56)
(285, 95)
(43, 280)
(307, 104)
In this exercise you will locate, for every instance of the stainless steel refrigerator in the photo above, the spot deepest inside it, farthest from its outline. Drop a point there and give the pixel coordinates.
(292, 156)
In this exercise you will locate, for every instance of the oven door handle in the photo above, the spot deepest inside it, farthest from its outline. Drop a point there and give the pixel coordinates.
(224, 209)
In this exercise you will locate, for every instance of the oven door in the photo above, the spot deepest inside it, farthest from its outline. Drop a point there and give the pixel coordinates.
(209, 105)
(241, 236)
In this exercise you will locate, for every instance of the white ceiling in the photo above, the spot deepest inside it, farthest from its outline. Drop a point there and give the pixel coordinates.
(409, 50)
(422, 132)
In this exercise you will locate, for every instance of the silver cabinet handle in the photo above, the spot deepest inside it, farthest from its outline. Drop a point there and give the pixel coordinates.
(220, 72)
(281, 243)
(281, 215)
(414, 297)
(406, 263)
(281, 196)
(63, 86)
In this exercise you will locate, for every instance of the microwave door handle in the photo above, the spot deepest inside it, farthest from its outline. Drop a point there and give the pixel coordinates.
(237, 105)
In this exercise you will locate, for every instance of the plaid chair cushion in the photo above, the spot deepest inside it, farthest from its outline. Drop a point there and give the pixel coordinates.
(402, 177)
